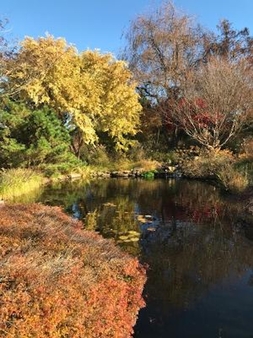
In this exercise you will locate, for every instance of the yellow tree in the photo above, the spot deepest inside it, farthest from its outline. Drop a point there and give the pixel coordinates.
(118, 111)
(95, 90)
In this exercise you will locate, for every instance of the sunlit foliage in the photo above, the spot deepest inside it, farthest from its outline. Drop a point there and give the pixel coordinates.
(216, 102)
(94, 92)
(58, 280)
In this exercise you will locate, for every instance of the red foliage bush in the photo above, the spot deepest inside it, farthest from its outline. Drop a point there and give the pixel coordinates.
(59, 280)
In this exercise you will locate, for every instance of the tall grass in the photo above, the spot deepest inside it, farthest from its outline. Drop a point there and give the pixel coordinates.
(16, 182)
(233, 180)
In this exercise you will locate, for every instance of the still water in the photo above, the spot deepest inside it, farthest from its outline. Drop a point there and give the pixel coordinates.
(200, 258)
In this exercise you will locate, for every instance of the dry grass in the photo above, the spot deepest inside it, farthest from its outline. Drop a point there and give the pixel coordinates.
(219, 166)
(17, 182)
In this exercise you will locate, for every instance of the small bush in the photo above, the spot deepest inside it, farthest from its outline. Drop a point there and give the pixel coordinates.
(220, 166)
(149, 175)
(169, 157)
(245, 161)
(96, 156)
(247, 148)
(58, 280)
(136, 152)
(232, 179)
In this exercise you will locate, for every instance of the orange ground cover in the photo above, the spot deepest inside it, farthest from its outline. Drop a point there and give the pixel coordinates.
(59, 280)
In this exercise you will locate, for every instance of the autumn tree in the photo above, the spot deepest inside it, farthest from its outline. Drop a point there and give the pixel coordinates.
(162, 46)
(118, 107)
(196, 81)
(216, 102)
(92, 92)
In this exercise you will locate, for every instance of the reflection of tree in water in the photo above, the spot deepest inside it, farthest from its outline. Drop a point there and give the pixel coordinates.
(192, 259)
(191, 242)
(203, 203)
(63, 193)
(196, 246)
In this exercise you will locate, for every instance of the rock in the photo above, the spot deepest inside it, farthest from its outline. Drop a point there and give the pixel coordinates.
(74, 176)
(123, 173)
(249, 207)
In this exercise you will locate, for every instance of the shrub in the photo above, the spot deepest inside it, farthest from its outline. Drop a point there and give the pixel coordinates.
(220, 166)
(247, 148)
(58, 280)
(232, 179)
(136, 152)
(96, 156)
(148, 175)
(58, 169)
(245, 162)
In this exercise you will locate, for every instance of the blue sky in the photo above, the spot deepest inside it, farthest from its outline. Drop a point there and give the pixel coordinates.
(99, 24)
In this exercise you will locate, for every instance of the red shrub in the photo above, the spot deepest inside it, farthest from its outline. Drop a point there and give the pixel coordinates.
(59, 280)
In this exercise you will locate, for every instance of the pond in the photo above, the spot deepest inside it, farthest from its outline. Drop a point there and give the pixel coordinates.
(199, 257)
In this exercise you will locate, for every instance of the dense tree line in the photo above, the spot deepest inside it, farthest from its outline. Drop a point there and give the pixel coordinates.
(174, 80)
(192, 81)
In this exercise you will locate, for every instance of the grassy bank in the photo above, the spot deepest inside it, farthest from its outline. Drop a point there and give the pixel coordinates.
(231, 173)
(16, 182)
(223, 168)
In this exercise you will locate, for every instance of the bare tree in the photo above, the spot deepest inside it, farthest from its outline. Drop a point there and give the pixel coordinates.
(7, 55)
(216, 101)
(228, 43)
(195, 80)
(162, 45)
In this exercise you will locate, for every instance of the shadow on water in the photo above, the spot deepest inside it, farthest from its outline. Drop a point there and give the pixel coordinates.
(200, 275)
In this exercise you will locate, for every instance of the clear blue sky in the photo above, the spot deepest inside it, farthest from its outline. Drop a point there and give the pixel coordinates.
(100, 23)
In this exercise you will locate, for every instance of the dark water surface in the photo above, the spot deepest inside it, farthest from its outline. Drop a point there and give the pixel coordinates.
(200, 258)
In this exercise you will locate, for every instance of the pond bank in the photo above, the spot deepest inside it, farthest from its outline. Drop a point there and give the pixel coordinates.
(57, 279)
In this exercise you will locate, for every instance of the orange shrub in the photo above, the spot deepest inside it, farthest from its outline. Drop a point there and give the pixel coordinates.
(58, 280)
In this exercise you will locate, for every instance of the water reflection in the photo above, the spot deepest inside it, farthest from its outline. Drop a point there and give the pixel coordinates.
(200, 262)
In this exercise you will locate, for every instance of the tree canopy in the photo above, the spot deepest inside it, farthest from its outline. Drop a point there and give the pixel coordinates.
(195, 80)
(32, 137)
(174, 78)
(161, 47)
(216, 102)
(94, 90)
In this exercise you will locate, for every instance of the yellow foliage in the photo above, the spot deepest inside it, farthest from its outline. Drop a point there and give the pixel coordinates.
(95, 89)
